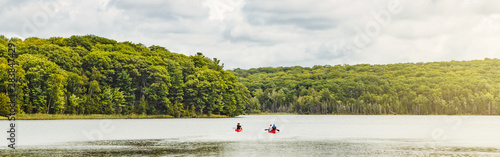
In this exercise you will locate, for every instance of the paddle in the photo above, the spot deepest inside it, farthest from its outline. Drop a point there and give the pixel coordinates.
(268, 129)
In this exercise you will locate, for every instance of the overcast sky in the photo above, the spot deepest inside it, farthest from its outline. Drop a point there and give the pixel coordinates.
(260, 33)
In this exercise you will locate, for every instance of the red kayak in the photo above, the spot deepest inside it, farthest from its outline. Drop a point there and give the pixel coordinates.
(238, 130)
(274, 131)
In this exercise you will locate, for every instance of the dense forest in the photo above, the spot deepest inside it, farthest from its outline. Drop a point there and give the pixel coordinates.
(456, 87)
(94, 75)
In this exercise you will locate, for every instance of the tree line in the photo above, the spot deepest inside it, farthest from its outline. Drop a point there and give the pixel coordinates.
(95, 75)
(455, 87)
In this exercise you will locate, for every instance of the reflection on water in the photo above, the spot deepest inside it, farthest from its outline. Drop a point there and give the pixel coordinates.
(176, 147)
(121, 148)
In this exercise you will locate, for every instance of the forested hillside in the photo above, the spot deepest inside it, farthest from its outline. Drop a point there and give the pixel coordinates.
(467, 87)
(94, 75)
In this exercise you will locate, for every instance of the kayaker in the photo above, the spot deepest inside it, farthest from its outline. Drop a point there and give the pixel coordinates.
(270, 127)
(274, 128)
(238, 127)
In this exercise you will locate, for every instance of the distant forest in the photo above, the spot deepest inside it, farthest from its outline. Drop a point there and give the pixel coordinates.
(456, 87)
(95, 75)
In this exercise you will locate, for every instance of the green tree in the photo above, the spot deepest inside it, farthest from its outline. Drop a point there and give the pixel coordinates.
(5, 105)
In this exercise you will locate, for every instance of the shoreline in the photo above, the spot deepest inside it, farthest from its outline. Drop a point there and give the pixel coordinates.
(102, 116)
(99, 116)
(284, 113)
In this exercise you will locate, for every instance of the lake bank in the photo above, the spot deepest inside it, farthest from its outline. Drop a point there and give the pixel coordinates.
(102, 116)
(98, 116)
(275, 113)
(331, 114)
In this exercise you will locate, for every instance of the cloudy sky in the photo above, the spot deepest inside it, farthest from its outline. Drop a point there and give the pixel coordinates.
(258, 33)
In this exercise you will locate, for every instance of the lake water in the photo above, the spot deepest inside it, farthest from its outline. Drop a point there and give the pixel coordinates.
(300, 135)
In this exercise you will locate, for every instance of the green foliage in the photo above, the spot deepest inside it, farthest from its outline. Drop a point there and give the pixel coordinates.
(467, 87)
(94, 75)
(5, 105)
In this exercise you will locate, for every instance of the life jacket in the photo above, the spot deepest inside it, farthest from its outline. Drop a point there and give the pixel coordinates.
(238, 127)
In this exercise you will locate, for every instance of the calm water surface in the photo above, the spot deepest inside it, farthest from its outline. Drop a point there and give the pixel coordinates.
(301, 135)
